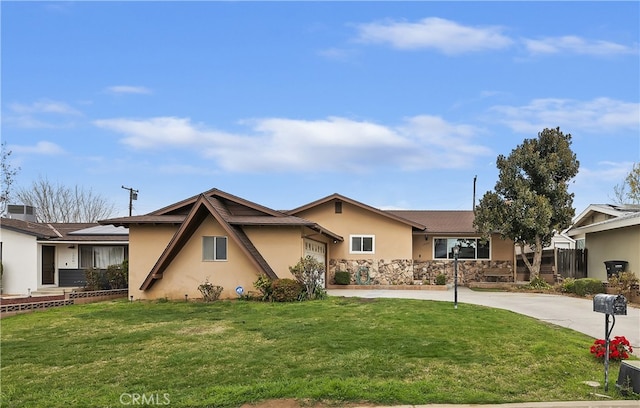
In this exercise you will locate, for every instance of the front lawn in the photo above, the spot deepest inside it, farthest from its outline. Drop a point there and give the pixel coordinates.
(387, 351)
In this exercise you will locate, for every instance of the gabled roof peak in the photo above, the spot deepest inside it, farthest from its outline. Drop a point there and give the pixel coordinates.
(244, 207)
(339, 197)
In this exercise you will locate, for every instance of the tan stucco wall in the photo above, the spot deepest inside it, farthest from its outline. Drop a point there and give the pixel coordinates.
(619, 244)
(188, 270)
(393, 239)
(146, 244)
(281, 247)
(501, 250)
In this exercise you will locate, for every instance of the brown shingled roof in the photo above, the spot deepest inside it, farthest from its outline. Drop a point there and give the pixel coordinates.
(440, 221)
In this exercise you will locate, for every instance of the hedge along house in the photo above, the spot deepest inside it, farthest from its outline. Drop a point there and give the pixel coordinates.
(45, 256)
(387, 247)
(215, 237)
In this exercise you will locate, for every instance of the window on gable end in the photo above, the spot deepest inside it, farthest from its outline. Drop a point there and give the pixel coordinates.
(214, 248)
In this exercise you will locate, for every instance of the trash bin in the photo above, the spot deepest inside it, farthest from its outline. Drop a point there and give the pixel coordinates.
(615, 267)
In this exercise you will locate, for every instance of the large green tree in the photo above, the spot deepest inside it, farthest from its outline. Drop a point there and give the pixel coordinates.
(531, 200)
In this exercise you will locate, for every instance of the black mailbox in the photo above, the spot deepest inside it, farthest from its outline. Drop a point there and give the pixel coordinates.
(610, 304)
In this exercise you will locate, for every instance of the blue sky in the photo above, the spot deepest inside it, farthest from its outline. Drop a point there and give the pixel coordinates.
(398, 105)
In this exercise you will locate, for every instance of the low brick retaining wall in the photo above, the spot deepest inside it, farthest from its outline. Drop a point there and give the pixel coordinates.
(31, 299)
(10, 307)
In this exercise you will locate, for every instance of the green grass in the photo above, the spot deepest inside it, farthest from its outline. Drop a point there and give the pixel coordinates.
(387, 351)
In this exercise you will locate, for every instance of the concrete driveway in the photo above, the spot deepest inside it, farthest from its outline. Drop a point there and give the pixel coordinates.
(574, 313)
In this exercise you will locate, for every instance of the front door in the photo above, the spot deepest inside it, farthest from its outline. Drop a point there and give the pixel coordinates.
(48, 265)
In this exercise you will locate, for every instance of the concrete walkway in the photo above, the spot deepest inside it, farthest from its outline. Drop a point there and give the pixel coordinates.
(573, 313)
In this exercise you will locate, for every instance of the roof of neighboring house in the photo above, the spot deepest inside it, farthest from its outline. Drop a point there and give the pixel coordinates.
(57, 231)
(628, 218)
(611, 210)
(338, 197)
(144, 219)
(440, 221)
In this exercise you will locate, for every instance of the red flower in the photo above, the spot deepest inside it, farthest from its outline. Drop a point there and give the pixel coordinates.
(619, 348)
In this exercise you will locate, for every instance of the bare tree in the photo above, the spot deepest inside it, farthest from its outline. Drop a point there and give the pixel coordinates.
(628, 192)
(8, 175)
(60, 203)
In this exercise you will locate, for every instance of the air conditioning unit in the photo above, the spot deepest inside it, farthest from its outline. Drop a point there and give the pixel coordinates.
(21, 212)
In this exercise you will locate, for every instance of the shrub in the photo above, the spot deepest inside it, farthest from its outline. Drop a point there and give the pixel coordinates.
(286, 290)
(588, 286)
(263, 284)
(441, 279)
(538, 283)
(623, 283)
(568, 285)
(342, 278)
(95, 279)
(118, 275)
(210, 292)
(310, 273)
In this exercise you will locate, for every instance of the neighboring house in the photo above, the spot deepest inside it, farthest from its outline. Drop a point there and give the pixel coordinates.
(38, 256)
(228, 241)
(609, 233)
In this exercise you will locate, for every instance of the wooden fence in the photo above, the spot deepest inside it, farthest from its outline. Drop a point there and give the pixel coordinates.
(557, 264)
(571, 263)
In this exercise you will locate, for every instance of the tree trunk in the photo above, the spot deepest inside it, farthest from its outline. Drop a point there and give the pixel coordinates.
(534, 268)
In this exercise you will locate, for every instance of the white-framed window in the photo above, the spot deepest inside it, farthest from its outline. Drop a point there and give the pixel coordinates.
(362, 244)
(470, 248)
(214, 248)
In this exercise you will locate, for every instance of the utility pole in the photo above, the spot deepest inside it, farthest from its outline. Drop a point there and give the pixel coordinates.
(473, 207)
(133, 195)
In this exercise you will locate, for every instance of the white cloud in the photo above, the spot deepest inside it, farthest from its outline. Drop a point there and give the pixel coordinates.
(575, 45)
(336, 53)
(44, 106)
(42, 114)
(453, 38)
(443, 35)
(331, 144)
(612, 172)
(127, 89)
(42, 148)
(162, 132)
(449, 144)
(594, 116)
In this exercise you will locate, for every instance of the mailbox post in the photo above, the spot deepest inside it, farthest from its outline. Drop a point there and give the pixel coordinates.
(610, 305)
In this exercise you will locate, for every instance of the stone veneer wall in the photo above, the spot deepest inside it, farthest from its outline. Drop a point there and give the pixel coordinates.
(381, 272)
(406, 271)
